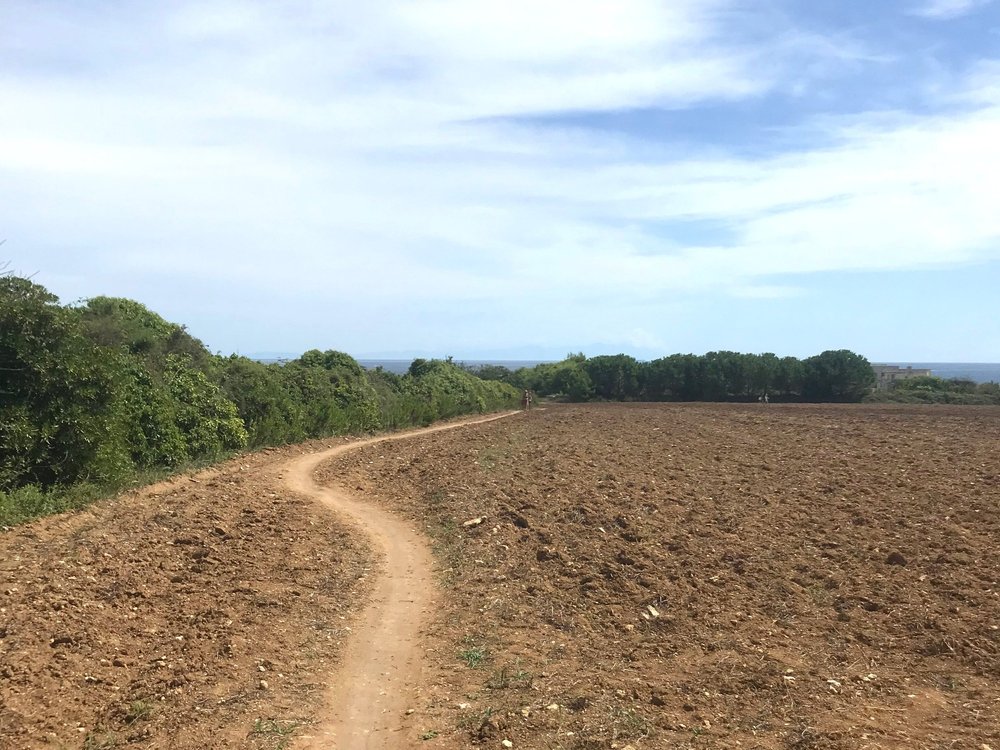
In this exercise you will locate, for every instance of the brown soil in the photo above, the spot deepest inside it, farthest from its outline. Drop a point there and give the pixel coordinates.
(203, 612)
(708, 576)
(655, 576)
(216, 610)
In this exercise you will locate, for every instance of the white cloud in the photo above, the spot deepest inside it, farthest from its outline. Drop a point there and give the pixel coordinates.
(947, 9)
(360, 155)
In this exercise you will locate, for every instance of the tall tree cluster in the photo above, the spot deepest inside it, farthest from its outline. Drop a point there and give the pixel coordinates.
(839, 376)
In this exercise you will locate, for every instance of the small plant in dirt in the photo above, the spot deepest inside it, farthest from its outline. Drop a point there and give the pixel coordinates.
(275, 728)
(100, 740)
(488, 458)
(627, 724)
(138, 710)
(509, 677)
(448, 544)
(429, 734)
(474, 656)
(475, 720)
(436, 498)
(947, 682)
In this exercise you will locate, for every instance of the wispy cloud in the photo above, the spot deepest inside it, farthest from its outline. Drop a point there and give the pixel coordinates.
(382, 154)
(946, 9)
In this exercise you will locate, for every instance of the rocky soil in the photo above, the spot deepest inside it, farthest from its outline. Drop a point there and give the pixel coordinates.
(204, 612)
(683, 576)
(709, 576)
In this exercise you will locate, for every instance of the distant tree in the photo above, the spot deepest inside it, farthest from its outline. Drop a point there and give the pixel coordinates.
(492, 372)
(571, 379)
(679, 377)
(788, 378)
(762, 371)
(714, 377)
(837, 375)
(615, 377)
(419, 367)
(661, 379)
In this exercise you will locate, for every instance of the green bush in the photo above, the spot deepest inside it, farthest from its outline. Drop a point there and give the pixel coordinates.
(443, 390)
(270, 413)
(31, 501)
(102, 395)
(925, 389)
(209, 421)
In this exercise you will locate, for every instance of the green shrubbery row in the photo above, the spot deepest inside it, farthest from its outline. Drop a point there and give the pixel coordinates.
(717, 376)
(103, 395)
(931, 390)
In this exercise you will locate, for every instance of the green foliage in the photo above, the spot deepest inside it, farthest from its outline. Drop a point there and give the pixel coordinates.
(397, 408)
(439, 389)
(270, 413)
(493, 372)
(789, 378)
(30, 501)
(94, 396)
(839, 375)
(674, 378)
(115, 322)
(568, 379)
(615, 378)
(474, 655)
(715, 376)
(150, 417)
(334, 393)
(60, 418)
(931, 390)
(209, 421)
(572, 380)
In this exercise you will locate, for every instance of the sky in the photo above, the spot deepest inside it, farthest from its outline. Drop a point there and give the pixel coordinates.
(515, 179)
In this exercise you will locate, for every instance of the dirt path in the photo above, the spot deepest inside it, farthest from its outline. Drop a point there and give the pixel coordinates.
(379, 674)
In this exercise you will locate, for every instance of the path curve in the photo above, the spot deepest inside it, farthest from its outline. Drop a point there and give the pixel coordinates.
(379, 673)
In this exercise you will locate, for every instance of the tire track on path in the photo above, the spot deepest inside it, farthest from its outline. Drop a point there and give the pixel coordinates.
(380, 668)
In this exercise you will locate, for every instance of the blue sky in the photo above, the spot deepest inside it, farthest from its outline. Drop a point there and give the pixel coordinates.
(515, 179)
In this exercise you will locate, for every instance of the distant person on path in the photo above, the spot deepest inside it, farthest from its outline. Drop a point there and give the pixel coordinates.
(764, 399)
(526, 400)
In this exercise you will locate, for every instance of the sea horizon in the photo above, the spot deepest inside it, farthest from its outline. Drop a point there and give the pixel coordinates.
(978, 372)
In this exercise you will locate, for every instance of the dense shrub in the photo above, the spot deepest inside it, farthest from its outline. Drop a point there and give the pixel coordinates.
(61, 410)
(270, 412)
(442, 389)
(94, 396)
(932, 390)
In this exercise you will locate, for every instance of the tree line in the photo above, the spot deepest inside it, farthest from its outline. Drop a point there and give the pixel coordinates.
(927, 389)
(835, 376)
(105, 394)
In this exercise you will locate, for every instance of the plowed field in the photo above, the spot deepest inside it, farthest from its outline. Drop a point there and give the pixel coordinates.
(679, 576)
(205, 612)
(709, 576)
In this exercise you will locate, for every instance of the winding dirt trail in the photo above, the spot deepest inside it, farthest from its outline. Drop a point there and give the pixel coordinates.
(381, 666)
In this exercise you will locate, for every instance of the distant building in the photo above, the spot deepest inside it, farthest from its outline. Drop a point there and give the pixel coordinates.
(886, 375)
